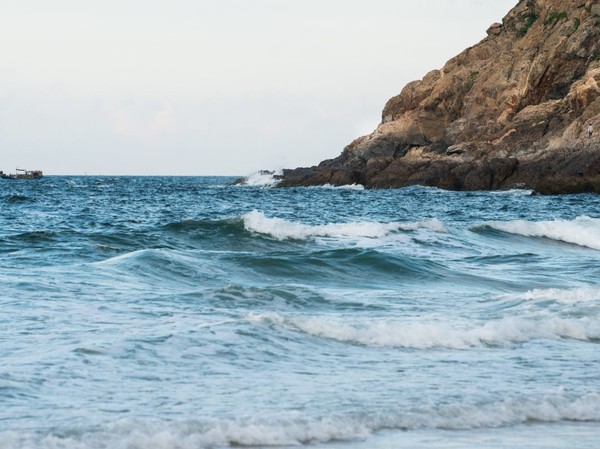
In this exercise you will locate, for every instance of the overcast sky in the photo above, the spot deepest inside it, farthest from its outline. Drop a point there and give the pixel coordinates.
(212, 87)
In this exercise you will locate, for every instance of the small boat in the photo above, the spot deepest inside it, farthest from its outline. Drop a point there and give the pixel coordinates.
(22, 174)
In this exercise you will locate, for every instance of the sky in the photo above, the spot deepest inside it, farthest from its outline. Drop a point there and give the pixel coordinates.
(212, 87)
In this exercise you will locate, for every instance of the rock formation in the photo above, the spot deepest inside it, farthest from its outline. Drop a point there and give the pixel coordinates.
(510, 112)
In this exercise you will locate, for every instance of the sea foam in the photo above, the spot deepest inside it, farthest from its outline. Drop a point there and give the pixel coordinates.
(582, 231)
(436, 334)
(262, 178)
(560, 295)
(281, 229)
(343, 187)
(295, 429)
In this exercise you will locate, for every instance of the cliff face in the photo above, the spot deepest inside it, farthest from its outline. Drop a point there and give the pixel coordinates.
(511, 111)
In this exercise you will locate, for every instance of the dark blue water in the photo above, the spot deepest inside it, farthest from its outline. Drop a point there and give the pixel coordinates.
(160, 312)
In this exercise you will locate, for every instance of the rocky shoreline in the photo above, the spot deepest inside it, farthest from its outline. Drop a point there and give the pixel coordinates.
(510, 112)
(573, 169)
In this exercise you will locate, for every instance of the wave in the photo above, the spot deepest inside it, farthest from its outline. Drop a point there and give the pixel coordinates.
(281, 229)
(512, 192)
(149, 257)
(292, 296)
(262, 178)
(436, 335)
(582, 231)
(256, 224)
(294, 429)
(227, 236)
(375, 267)
(559, 295)
(267, 178)
(166, 267)
(72, 183)
(286, 270)
(343, 187)
(206, 227)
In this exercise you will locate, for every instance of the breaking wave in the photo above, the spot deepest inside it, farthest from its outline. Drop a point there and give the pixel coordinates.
(433, 335)
(583, 231)
(281, 229)
(560, 295)
(296, 429)
(513, 192)
(262, 178)
(343, 187)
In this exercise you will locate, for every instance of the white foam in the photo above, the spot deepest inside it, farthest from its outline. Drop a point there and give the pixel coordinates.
(512, 192)
(128, 434)
(343, 187)
(560, 295)
(582, 231)
(74, 184)
(294, 429)
(282, 229)
(511, 411)
(262, 178)
(437, 334)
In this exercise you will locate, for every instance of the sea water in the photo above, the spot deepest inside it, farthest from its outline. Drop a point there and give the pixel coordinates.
(167, 313)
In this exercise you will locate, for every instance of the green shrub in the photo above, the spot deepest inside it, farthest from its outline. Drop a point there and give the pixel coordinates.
(555, 16)
(528, 20)
(473, 74)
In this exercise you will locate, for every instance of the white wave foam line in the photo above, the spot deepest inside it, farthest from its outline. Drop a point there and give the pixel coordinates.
(582, 231)
(282, 229)
(74, 184)
(196, 435)
(513, 192)
(559, 295)
(296, 429)
(511, 411)
(343, 187)
(432, 335)
(262, 179)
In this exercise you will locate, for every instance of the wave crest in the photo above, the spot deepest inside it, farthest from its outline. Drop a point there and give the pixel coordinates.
(262, 178)
(342, 187)
(560, 295)
(281, 229)
(434, 335)
(296, 429)
(583, 231)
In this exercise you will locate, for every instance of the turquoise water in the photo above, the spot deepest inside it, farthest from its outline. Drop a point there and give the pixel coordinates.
(159, 312)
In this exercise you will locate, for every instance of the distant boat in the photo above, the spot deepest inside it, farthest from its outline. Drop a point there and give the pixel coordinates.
(22, 174)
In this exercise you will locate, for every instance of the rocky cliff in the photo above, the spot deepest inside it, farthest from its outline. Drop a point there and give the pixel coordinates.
(510, 112)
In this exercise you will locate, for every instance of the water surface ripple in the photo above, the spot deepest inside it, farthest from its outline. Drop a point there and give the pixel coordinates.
(173, 312)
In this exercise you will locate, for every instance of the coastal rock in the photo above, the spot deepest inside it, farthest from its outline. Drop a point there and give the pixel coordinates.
(509, 112)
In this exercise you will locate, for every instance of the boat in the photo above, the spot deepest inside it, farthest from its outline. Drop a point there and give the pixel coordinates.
(22, 174)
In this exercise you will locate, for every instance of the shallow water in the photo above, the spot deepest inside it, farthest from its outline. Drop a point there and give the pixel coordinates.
(158, 312)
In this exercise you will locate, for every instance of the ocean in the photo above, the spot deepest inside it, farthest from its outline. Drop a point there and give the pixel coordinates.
(189, 313)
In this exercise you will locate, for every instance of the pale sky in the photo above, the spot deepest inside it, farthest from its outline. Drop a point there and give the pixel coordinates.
(212, 87)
